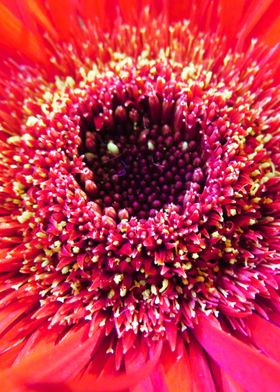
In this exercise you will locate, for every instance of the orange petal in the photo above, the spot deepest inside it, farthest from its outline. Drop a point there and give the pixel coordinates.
(272, 35)
(61, 13)
(14, 37)
(231, 13)
(35, 8)
(254, 13)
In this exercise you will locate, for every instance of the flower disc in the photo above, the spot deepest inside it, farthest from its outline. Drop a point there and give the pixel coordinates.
(142, 190)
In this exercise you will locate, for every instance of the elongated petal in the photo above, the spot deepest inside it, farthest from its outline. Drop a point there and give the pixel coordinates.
(240, 361)
(57, 363)
(135, 360)
(104, 383)
(201, 375)
(14, 36)
(253, 14)
(267, 29)
(177, 369)
(37, 10)
(224, 382)
(265, 335)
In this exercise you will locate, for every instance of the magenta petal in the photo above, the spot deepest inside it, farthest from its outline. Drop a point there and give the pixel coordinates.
(224, 382)
(246, 365)
(265, 335)
(201, 374)
(135, 360)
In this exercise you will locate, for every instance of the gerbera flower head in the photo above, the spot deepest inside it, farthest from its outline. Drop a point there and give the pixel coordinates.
(139, 196)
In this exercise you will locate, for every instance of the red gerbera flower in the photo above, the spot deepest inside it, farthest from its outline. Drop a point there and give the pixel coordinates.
(140, 196)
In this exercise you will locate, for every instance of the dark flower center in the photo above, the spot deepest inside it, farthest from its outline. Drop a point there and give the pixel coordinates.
(144, 160)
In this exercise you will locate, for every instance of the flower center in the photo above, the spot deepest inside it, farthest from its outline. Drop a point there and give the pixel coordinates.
(144, 189)
(140, 163)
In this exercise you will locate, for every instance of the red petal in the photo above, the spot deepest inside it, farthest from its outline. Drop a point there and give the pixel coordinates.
(39, 13)
(58, 362)
(47, 387)
(135, 359)
(231, 15)
(272, 34)
(63, 16)
(268, 28)
(247, 366)
(92, 9)
(129, 379)
(11, 313)
(254, 13)
(103, 383)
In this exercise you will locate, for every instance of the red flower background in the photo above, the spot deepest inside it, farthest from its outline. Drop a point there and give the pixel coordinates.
(140, 183)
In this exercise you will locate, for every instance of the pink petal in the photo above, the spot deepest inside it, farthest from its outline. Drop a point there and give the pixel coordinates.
(265, 335)
(247, 366)
(200, 371)
(224, 382)
(177, 369)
